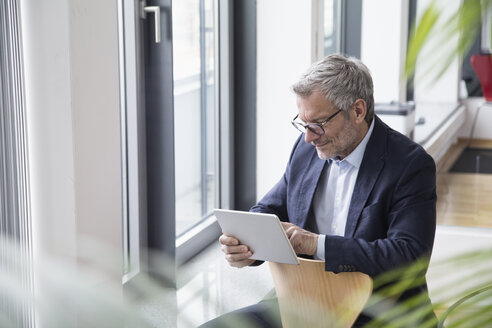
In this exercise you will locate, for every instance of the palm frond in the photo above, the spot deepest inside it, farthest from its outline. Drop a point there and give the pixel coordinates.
(438, 38)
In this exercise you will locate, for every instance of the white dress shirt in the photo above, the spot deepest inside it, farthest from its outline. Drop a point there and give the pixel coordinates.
(331, 201)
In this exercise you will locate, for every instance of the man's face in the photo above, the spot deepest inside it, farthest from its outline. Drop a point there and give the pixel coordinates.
(341, 135)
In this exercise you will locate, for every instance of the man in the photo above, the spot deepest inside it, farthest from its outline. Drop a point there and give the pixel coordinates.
(355, 193)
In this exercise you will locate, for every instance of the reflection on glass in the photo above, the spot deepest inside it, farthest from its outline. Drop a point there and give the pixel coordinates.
(195, 110)
(332, 26)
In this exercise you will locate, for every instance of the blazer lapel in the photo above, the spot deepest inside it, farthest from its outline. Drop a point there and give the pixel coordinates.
(308, 187)
(369, 171)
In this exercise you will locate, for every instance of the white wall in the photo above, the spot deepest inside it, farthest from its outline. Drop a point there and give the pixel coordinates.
(383, 46)
(482, 126)
(96, 119)
(71, 72)
(284, 52)
(49, 124)
(45, 28)
(446, 271)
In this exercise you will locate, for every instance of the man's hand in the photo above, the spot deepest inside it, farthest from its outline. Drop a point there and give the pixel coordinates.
(237, 255)
(303, 241)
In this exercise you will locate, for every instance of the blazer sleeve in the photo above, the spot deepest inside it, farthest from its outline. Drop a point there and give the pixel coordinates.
(406, 224)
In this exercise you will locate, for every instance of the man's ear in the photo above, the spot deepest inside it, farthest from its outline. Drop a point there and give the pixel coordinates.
(360, 109)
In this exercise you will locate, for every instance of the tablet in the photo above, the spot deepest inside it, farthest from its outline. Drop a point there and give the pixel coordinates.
(262, 232)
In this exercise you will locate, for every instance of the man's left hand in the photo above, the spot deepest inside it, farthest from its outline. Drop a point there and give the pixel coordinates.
(303, 241)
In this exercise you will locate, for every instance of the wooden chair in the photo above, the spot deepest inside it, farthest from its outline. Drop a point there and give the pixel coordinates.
(309, 296)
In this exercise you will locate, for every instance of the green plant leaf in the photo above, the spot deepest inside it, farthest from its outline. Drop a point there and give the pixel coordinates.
(445, 39)
(419, 35)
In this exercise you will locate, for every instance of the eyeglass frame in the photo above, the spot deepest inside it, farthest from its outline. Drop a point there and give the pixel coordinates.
(308, 126)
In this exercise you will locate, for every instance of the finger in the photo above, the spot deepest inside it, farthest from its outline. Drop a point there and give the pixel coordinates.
(292, 237)
(286, 225)
(228, 240)
(238, 257)
(304, 242)
(297, 239)
(290, 231)
(234, 249)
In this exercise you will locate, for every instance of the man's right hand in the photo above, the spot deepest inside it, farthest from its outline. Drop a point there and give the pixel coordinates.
(237, 255)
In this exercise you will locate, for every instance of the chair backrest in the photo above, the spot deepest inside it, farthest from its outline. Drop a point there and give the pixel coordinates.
(309, 296)
(482, 64)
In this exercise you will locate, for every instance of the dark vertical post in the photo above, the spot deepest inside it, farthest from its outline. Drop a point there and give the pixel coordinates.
(161, 212)
(351, 27)
(244, 12)
(412, 14)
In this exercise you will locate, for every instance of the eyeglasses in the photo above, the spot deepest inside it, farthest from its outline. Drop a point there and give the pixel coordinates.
(316, 128)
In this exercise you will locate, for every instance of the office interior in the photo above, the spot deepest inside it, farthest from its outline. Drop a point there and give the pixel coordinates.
(125, 123)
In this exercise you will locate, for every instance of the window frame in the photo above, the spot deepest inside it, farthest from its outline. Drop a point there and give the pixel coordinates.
(150, 229)
(198, 236)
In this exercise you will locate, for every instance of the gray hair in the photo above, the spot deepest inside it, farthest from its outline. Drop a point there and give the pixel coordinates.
(341, 80)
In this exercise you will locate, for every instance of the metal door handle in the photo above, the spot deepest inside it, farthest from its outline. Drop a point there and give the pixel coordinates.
(157, 18)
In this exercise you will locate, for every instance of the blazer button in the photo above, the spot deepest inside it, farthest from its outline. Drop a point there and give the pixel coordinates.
(340, 267)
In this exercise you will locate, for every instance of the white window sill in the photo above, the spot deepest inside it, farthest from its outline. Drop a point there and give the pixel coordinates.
(207, 288)
(440, 130)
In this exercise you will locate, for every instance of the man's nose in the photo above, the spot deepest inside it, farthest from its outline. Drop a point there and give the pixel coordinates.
(310, 136)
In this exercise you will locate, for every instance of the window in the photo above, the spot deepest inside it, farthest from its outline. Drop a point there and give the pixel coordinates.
(332, 26)
(195, 111)
(170, 123)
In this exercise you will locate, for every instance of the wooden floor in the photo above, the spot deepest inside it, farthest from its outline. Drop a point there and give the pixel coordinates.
(463, 199)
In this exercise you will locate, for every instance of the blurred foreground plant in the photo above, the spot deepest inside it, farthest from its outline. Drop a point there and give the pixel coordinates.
(442, 35)
(90, 294)
(467, 276)
(82, 292)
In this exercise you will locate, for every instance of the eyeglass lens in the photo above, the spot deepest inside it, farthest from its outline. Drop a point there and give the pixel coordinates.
(314, 128)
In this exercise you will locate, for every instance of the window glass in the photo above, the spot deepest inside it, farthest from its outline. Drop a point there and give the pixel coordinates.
(195, 110)
(332, 26)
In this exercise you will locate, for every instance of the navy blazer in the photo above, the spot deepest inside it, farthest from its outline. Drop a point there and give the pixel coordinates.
(392, 216)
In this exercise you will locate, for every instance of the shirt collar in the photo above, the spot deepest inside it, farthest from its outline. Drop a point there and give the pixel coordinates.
(355, 157)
